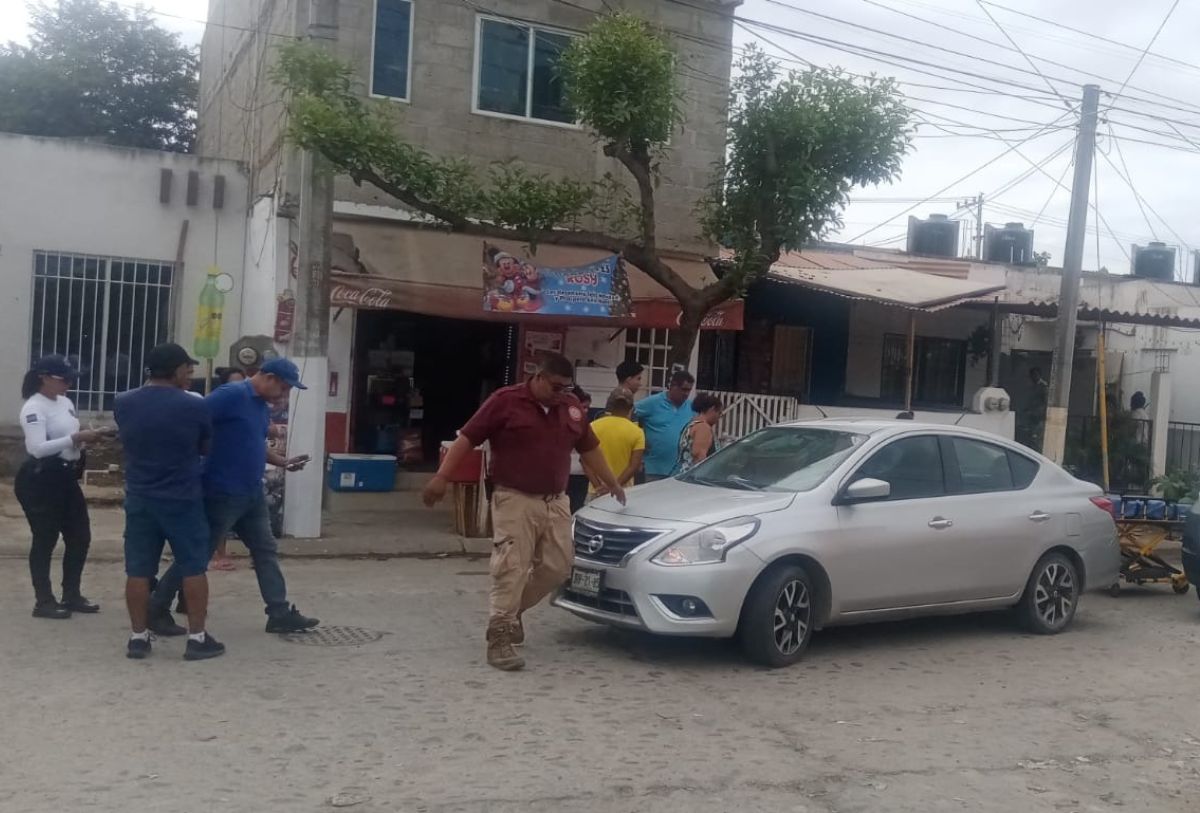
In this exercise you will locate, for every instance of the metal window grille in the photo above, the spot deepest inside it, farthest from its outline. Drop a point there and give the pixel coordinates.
(102, 313)
(649, 346)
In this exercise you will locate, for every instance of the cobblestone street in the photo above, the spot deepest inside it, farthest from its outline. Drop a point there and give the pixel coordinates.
(950, 714)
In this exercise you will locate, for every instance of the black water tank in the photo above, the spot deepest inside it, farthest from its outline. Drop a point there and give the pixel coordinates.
(1154, 261)
(935, 237)
(1012, 244)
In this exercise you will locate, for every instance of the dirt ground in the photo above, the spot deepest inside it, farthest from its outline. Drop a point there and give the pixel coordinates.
(940, 715)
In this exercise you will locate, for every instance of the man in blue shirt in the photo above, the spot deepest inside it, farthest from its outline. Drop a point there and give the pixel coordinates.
(233, 491)
(664, 416)
(164, 434)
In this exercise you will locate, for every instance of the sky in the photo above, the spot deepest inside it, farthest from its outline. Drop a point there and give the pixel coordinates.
(970, 112)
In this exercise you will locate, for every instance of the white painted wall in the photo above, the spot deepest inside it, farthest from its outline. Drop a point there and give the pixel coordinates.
(72, 196)
(870, 321)
(265, 268)
(998, 423)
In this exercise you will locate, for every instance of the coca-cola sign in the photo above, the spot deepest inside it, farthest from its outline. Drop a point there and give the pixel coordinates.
(351, 296)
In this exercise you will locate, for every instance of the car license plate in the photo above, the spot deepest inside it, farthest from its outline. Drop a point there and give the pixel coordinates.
(587, 582)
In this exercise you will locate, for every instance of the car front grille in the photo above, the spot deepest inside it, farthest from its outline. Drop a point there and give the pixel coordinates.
(609, 601)
(608, 543)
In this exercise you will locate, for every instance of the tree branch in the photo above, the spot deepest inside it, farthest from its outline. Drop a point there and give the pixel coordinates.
(457, 222)
(637, 161)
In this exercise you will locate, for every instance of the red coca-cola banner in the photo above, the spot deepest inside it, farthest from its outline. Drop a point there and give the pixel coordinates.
(384, 293)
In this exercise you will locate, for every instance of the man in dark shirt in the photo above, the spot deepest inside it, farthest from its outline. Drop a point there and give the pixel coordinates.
(233, 491)
(164, 433)
(532, 427)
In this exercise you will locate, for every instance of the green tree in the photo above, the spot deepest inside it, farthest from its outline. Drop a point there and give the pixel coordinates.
(797, 144)
(98, 70)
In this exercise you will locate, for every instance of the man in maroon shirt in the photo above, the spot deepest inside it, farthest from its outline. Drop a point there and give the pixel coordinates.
(533, 427)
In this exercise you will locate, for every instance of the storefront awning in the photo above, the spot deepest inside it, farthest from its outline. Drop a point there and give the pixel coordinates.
(888, 285)
(389, 266)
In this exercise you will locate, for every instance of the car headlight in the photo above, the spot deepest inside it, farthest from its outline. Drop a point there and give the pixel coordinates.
(708, 545)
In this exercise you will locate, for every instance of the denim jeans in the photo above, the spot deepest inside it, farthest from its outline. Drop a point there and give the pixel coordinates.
(150, 522)
(248, 517)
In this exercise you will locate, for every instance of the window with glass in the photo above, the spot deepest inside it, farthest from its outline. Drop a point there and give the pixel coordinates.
(649, 347)
(102, 313)
(517, 71)
(778, 458)
(984, 467)
(939, 369)
(392, 49)
(911, 466)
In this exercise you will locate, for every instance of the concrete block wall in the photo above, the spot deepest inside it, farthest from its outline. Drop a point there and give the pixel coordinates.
(240, 114)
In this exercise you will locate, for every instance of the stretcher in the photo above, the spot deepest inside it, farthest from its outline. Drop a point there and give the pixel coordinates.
(1143, 524)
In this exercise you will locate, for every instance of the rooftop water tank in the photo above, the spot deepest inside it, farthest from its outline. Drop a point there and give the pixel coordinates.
(1154, 261)
(936, 236)
(1012, 243)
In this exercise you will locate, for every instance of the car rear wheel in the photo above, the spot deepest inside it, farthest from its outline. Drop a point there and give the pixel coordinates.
(777, 621)
(1051, 595)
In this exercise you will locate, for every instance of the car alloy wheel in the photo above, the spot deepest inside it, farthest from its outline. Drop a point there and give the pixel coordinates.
(793, 614)
(779, 616)
(1054, 594)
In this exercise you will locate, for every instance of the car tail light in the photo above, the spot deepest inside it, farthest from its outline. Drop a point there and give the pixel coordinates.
(1103, 503)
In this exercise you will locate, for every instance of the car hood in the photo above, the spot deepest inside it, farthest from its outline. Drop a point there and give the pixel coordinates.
(687, 503)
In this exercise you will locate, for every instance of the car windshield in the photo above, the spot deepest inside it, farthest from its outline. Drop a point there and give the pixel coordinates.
(779, 458)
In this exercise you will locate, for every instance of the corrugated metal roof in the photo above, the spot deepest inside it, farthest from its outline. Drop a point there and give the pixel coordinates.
(897, 287)
(1108, 297)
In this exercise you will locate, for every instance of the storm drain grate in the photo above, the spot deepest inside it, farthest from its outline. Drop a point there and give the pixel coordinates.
(334, 636)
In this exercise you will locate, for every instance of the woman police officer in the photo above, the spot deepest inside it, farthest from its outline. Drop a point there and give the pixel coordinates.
(47, 486)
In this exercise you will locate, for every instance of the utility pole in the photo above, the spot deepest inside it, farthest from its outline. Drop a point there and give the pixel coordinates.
(977, 202)
(1059, 396)
(310, 340)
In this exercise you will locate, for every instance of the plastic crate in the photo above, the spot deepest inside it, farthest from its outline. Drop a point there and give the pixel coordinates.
(361, 472)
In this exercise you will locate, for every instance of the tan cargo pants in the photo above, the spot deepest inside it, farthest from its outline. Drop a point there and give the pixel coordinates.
(532, 550)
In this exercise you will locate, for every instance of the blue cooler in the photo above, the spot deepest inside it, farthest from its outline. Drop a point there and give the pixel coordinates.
(361, 472)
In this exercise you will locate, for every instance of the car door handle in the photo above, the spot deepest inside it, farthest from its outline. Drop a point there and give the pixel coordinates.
(940, 523)
(1039, 516)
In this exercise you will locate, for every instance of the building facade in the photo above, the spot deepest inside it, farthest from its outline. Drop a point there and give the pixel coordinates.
(466, 81)
(103, 254)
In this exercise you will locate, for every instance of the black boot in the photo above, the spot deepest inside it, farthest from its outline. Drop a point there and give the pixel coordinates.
(290, 621)
(80, 604)
(49, 608)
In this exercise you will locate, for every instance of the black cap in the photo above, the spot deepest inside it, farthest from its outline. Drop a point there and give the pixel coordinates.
(166, 358)
(54, 365)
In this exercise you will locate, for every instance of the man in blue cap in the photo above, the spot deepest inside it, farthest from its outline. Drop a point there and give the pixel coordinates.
(233, 492)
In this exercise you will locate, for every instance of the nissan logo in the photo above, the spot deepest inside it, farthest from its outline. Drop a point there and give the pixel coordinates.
(593, 544)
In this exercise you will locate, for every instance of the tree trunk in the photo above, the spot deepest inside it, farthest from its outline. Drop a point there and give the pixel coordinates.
(683, 338)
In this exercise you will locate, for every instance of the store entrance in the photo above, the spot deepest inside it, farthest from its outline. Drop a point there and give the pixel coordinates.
(418, 379)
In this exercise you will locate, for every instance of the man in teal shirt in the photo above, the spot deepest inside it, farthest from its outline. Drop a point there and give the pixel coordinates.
(664, 416)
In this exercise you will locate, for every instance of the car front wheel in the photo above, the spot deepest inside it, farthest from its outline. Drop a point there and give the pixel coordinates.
(1051, 595)
(777, 621)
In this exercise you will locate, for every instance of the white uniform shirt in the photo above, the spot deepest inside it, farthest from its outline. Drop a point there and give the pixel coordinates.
(48, 426)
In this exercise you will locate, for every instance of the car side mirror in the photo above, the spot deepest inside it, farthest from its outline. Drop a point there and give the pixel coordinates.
(867, 489)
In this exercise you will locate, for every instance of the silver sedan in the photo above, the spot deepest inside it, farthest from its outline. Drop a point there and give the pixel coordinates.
(806, 525)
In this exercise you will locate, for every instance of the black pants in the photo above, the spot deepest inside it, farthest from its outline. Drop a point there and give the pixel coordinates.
(49, 494)
(577, 491)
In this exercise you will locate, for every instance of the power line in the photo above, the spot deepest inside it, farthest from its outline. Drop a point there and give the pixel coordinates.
(1034, 70)
(1146, 50)
(1049, 84)
(205, 23)
(954, 183)
(1060, 24)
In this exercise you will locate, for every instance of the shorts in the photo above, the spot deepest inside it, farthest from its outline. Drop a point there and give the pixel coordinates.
(149, 523)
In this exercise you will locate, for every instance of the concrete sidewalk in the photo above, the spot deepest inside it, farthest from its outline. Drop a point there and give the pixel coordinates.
(388, 525)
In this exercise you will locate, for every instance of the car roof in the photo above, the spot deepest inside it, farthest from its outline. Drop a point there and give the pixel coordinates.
(873, 426)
